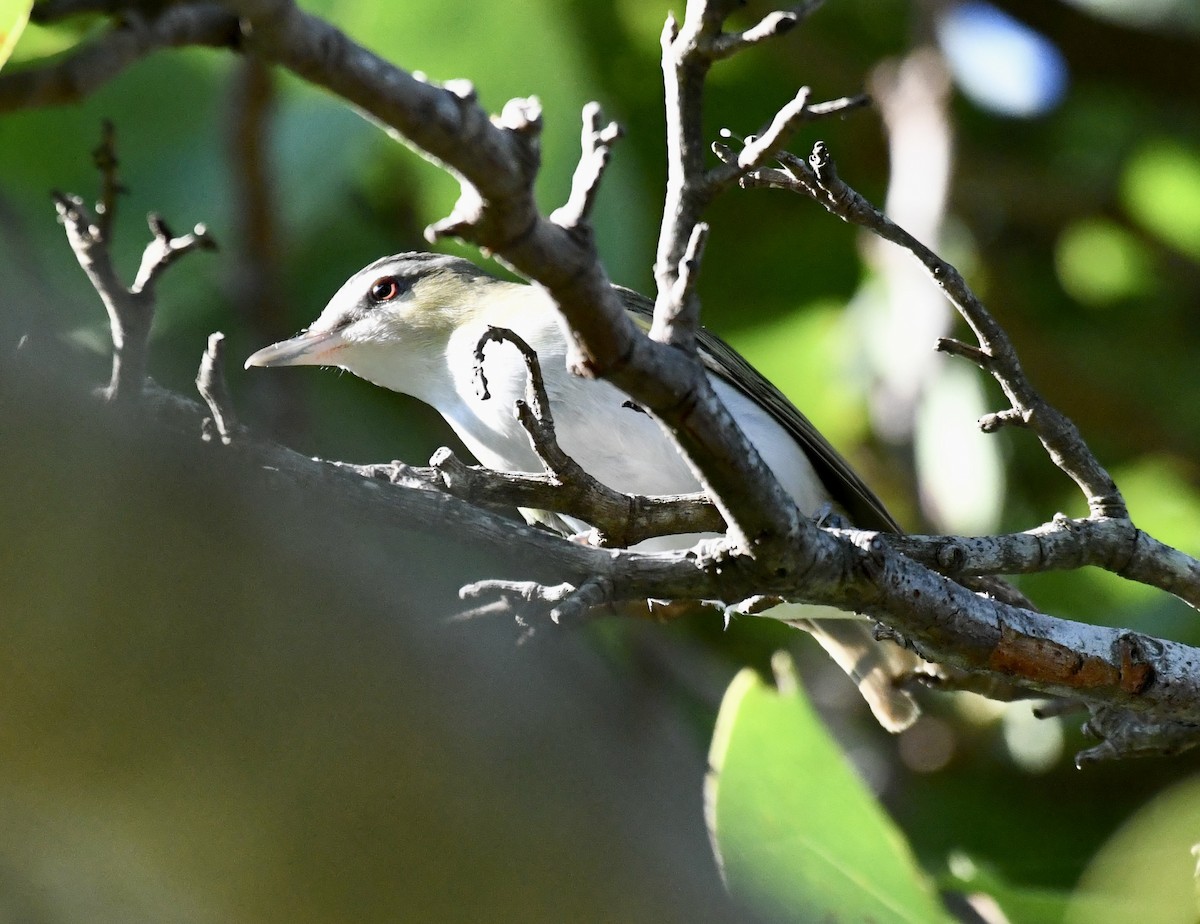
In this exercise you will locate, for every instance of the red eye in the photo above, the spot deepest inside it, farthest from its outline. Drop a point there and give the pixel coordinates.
(384, 289)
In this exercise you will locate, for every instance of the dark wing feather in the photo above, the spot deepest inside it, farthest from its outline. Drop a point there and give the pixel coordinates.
(864, 508)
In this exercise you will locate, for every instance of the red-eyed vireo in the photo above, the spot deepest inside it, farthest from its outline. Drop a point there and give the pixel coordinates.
(411, 323)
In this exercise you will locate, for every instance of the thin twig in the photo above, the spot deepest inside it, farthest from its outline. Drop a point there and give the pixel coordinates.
(210, 382)
(837, 107)
(98, 61)
(1125, 735)
(164, 249)
(953, 347)
(596, 145)
(251, 105)
(566, 601)
(774, 24)
(760, 514)
(533, 412)
(130, 310)
(105, 158)
(785, 123)
(129, 322)
(618, 519)
(818, 178)
(682, 311)
(992, 423)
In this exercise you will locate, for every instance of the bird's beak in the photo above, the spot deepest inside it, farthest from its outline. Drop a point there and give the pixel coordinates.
(312, 348)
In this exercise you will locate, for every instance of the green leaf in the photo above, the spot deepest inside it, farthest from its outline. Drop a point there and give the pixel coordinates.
(1161, 189)
(1099, 263)
(797, 833)
(1147, 870)
(14, 14)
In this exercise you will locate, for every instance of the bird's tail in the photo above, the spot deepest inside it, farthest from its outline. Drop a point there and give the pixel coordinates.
(876, 666)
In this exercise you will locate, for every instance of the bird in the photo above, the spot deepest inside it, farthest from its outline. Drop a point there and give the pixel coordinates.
(411, 322)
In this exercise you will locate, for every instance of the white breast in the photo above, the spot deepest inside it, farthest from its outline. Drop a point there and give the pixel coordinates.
(597, 426)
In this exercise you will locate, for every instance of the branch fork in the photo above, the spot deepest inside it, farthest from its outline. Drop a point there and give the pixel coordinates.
(130, 309)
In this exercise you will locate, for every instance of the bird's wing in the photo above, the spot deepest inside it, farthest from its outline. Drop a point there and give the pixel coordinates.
(864, 508)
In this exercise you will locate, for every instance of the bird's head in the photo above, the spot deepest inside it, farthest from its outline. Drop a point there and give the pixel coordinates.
(387, 318)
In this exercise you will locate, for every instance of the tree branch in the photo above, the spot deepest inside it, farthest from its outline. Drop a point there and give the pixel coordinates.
(496, 162)
(1136, 686)
(596, 146)
(1063, 544)
(773, 24)
(129, 39)
(818, 178)
(619, 520)
(130, 310)
(210, 383)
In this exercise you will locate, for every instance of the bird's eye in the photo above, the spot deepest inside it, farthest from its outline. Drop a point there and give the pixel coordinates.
(384, 289)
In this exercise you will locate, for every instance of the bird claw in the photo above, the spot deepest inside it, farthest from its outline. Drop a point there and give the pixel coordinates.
(827, 518)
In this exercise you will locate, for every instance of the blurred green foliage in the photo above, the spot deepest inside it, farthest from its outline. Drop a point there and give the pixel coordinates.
(1161, 190)
(1092, 206)
(1100, 263)
(795, 828)
(14, 14)
(1148, 869)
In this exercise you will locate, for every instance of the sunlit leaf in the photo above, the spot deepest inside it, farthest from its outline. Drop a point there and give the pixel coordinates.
(1099, 262)
(798, 835)
(1161, 189)
(1147, 870)
(44, 40)
(14, 14)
